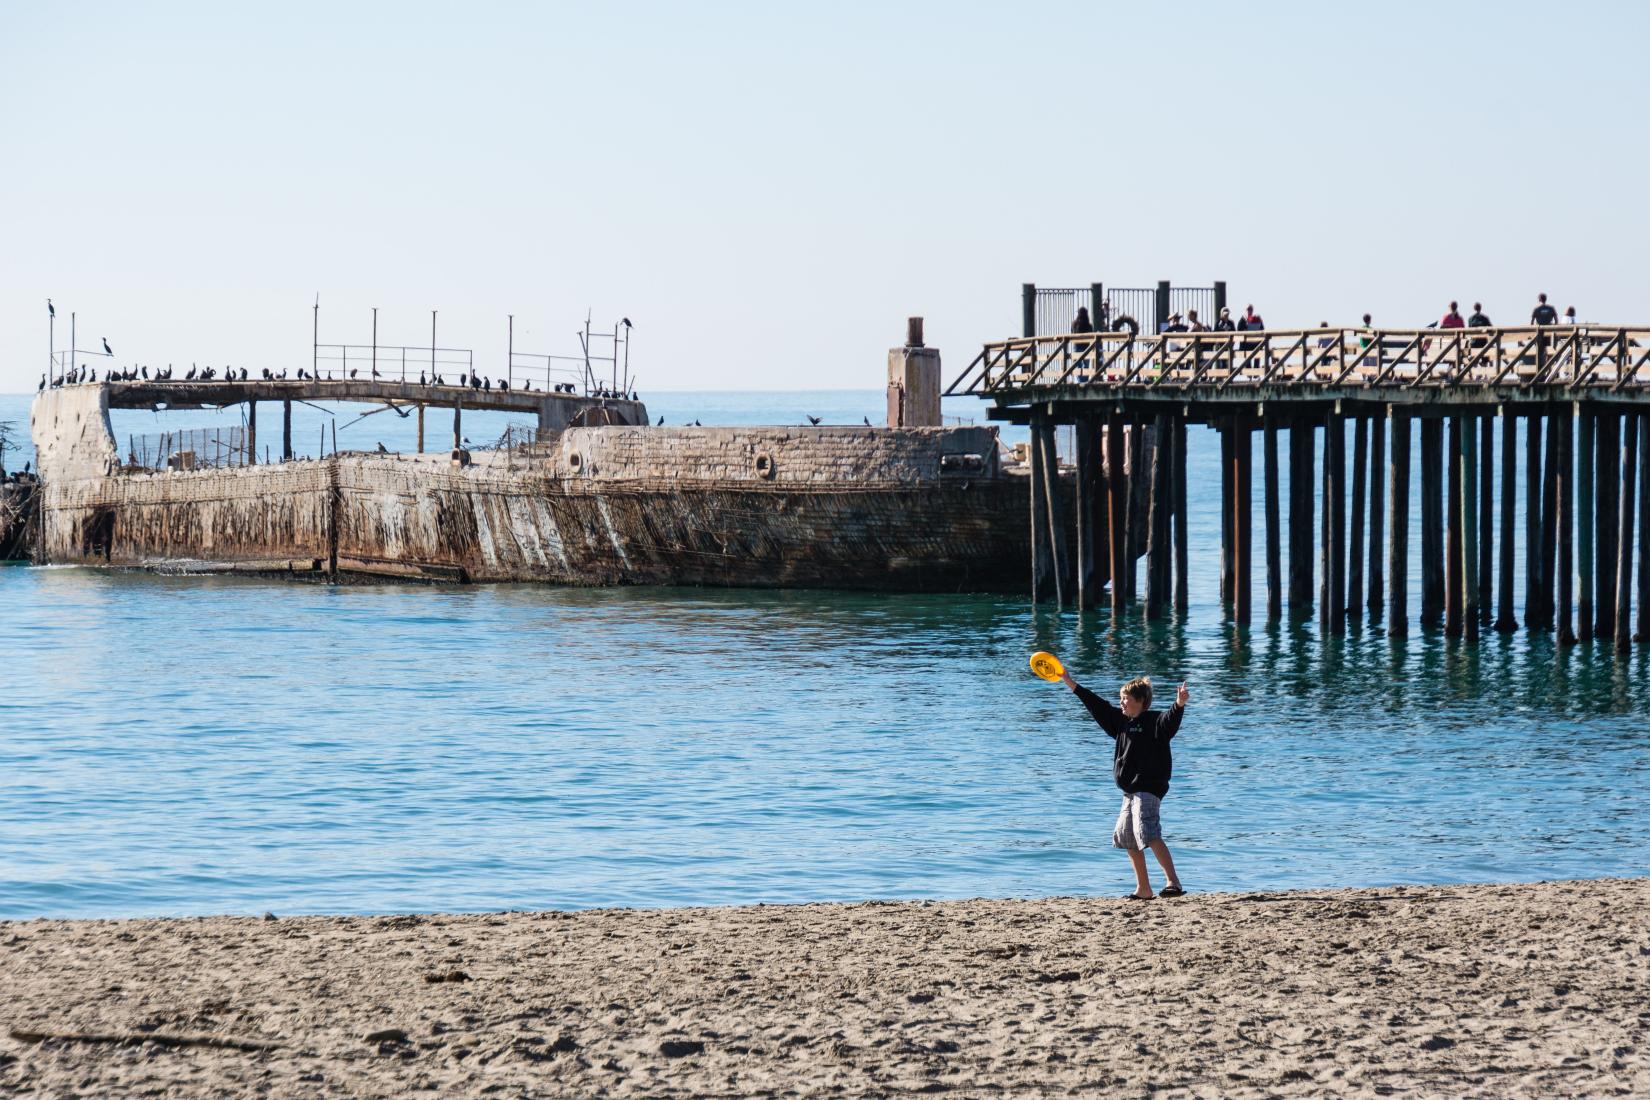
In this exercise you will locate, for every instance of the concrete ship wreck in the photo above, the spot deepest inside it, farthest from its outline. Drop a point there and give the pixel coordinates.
(600, 497)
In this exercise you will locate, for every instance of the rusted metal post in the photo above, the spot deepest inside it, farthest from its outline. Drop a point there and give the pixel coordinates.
(1454, 554)
(1302, 444)
(1432, 521)
(1607, 474)
(1398, 522)
(1506, 621)
(1564, 428)
(1624, 559)
(1182, 541)
(1584, 521)
(1355, 539)
(1377, 497)
(1274, 551)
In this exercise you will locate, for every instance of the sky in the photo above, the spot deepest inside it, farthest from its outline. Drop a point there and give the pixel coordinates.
(768, 190)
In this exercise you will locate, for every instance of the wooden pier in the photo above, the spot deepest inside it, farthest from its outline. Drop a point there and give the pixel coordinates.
(1577, 396)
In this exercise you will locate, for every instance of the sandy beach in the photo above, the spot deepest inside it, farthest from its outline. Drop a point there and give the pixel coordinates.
(1484, 990)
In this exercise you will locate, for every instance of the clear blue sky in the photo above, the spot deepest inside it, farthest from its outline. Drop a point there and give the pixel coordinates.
(768, 190)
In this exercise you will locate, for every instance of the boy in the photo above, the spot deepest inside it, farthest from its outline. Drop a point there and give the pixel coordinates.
(1141, 767)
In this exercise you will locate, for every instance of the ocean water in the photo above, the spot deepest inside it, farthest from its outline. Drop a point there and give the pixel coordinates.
(195, 745)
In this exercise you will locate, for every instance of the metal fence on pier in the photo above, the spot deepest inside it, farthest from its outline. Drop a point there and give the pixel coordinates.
(192, 449)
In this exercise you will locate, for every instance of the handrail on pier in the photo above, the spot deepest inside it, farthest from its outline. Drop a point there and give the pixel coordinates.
(1572, 357)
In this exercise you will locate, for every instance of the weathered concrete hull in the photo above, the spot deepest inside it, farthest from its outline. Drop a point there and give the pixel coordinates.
(354, 516)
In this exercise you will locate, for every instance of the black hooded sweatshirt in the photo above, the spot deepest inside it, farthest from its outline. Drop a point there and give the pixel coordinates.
(1142, 763)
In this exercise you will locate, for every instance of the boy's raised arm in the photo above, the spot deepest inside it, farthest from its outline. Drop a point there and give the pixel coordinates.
(1103, 712)
(1169, 724)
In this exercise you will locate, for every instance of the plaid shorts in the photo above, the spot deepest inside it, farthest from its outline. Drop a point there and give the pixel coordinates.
(1137, 824)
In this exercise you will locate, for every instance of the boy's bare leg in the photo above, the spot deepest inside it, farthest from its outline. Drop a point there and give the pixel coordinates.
(1142, 883)
(1164, 860)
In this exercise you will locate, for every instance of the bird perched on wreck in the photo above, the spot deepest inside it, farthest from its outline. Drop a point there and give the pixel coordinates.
(382, 449)
(422, 381)
(106, 350)
(867, 421)
(661, 422)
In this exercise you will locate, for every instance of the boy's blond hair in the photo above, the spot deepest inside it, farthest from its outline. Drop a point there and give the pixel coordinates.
(1140, 688)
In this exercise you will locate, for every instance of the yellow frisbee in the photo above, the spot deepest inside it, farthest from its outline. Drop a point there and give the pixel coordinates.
(1047, 665)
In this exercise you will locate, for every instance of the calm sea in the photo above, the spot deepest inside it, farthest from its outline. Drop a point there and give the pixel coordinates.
(193, 745)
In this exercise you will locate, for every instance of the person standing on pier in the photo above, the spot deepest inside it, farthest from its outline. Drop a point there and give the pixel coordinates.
(1141, 765)
(1081, 322)
(1543, 314)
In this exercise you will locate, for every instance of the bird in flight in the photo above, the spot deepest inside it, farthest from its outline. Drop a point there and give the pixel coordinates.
(813, 420)
(106, 350)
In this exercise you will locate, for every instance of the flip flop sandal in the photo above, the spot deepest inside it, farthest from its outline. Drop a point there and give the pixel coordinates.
(1134, 897)
(1171, 892)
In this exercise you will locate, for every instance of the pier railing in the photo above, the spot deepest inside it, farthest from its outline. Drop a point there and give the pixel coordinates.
(1574, 357)
(190, 449)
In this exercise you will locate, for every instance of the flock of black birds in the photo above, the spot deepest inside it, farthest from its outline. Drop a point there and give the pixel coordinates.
(470, 379)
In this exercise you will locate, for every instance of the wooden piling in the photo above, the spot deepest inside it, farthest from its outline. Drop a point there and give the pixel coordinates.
(1136, 523)
(1243, 454)
(1274, 552)
(1054, 510)
(1469, 528)
(286, 431)
(1398, 524)
(1377, 498)
(1533, 619)
(1505, 620)
(1454, 550)
(458, 422)
(1182, 540)
(1228, 551)
(1302, 443)
(1355, 537)
(1564, 428)
(420, 427)
(1334, 460)
(1549, 517)
(1432, 521)
(1606, 476)
(1157, 521)
(1116, 488)
(1486, 518)
(1624, 552)
(251, 433)
(1087, 486)
(1584, 521)
(1040, 556)
(1642, 633)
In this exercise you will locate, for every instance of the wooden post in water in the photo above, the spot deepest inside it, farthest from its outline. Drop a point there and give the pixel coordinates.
(1301, 447)
(1136, 523)
(421, 427)
(1158, 593)
(1087, 485)
(1454, 553)
(286, 431)
(1469, 529)
(1039, 523)
(1486, 518)
(1549, 518)
(1377, 499)
(1182, 541)
(1274, 553)
(1584, 522)
(1355, 537)
(1642, 633)
(1506, 621)
(1624, 558)
(1333, 590)
(1398, 524)
(458, 418)
(1432, 521)
(251, 433)
(1116, 487)
(1055, 511)
(1532, 522)
(1606, 473)
(1243, 479)
(1564, 428)
(1228, 552)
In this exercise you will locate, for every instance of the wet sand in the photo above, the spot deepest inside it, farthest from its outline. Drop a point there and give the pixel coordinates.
(1484, 990)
